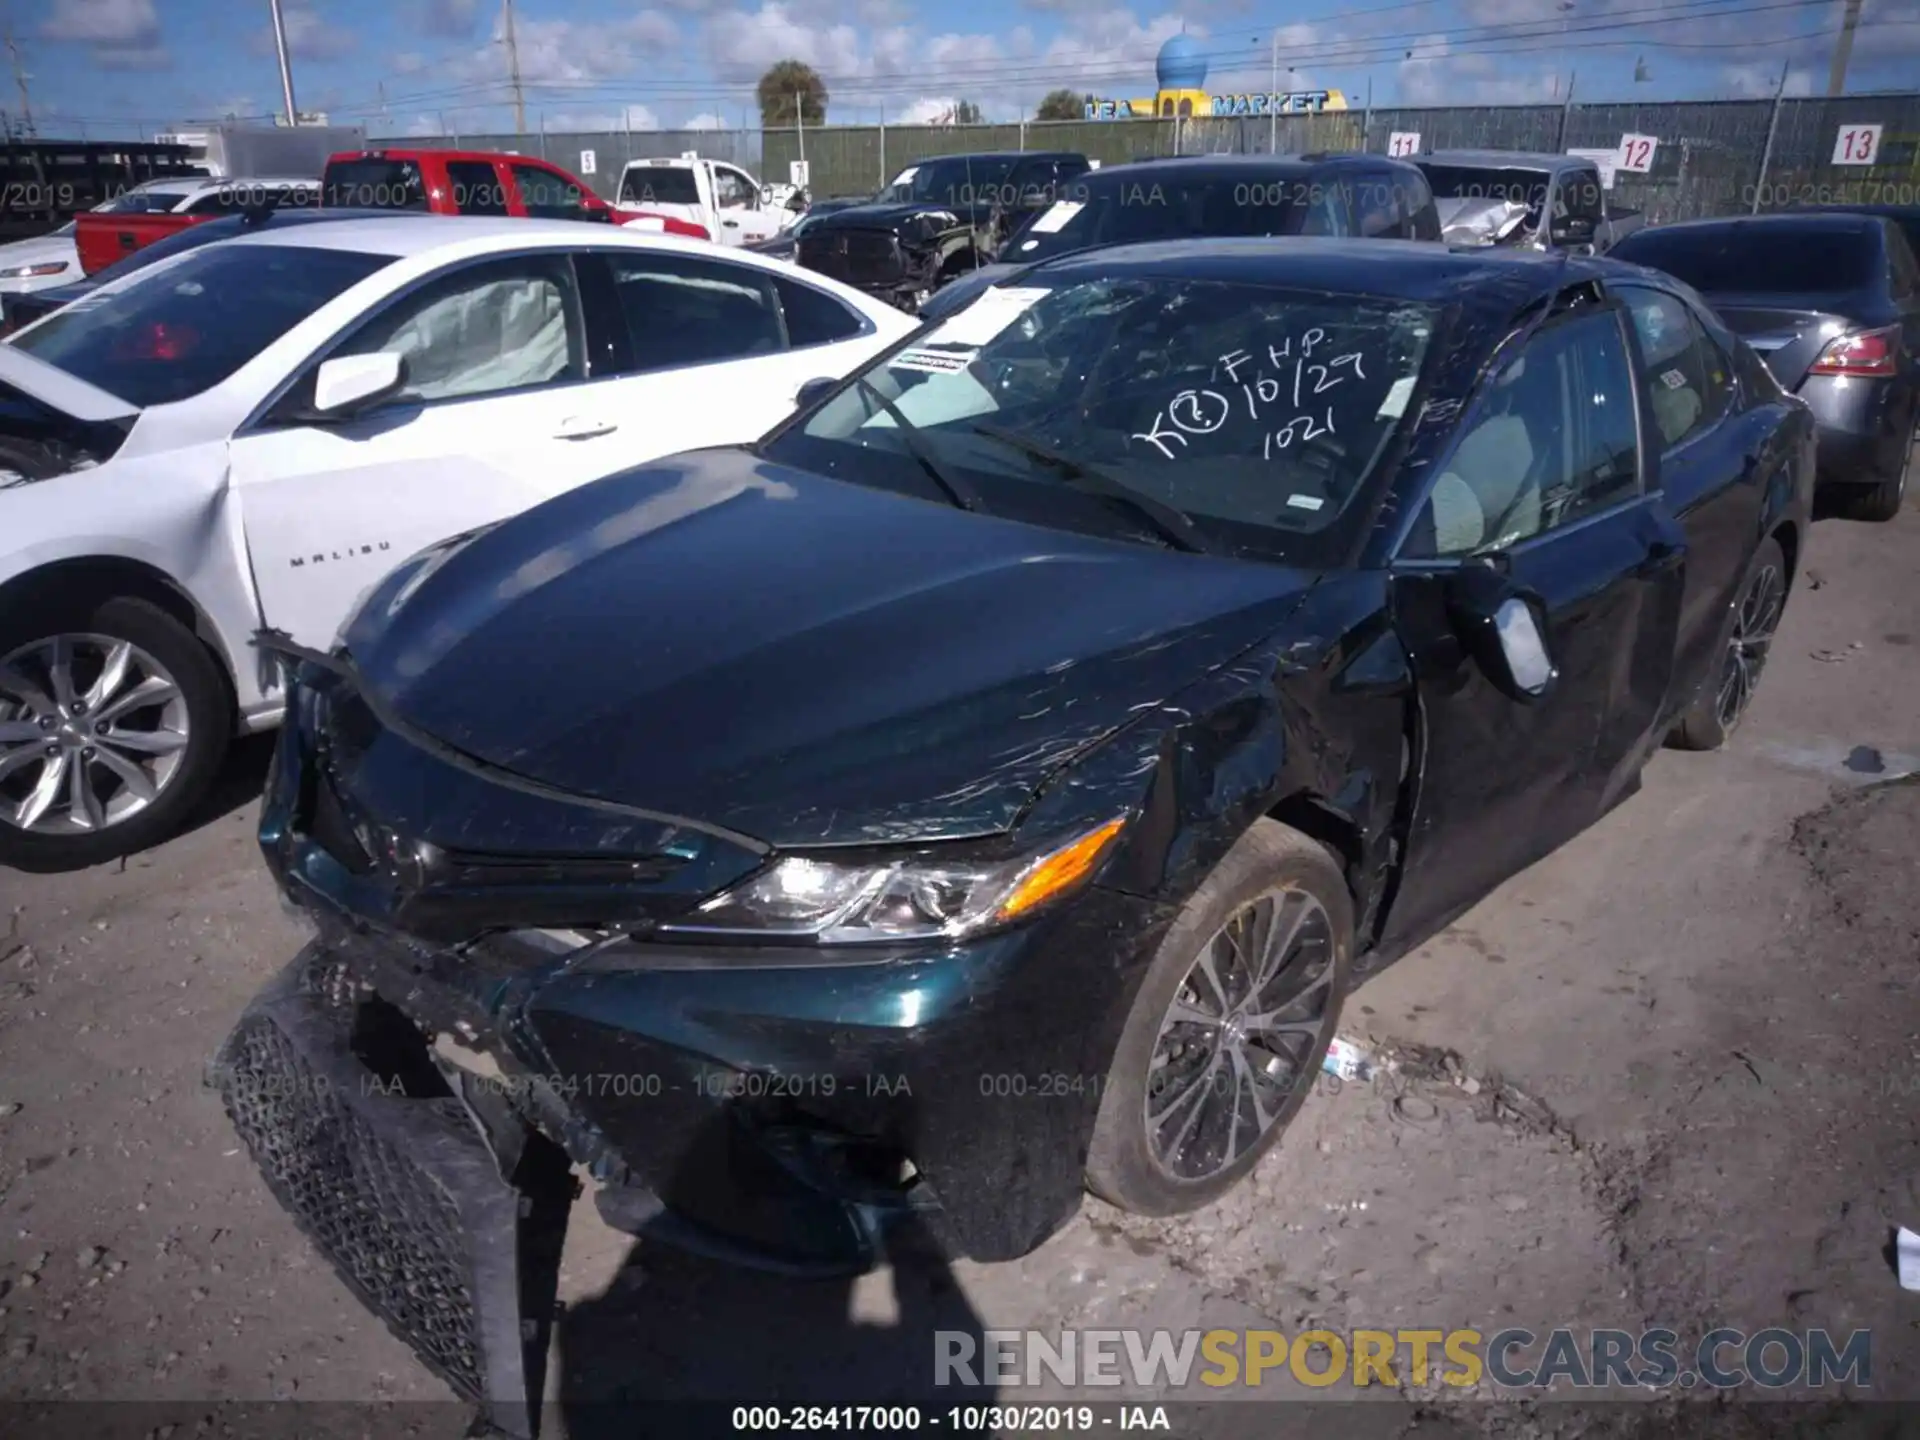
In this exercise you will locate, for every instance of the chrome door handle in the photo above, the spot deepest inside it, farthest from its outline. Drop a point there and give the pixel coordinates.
(579, 429)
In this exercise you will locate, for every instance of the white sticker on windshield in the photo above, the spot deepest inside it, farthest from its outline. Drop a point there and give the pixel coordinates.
(1395, 405)
(1057, 217)
(1305, 502)
(1028, 244)
(905, 177)
(933, 362)
(1673, 379)
(993, 312)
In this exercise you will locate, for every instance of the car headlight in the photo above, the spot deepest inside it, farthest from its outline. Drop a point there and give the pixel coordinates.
(921, 898)
(28, 272)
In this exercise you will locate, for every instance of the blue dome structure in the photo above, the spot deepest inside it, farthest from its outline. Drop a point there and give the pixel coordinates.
(1181, 65)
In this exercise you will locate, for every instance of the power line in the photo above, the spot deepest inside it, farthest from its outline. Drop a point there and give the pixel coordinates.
(1510, 39)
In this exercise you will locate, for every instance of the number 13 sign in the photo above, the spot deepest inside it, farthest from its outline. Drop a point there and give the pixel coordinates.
(1856, 145)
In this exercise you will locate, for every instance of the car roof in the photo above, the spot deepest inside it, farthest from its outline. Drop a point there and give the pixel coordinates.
(1001, 155)
(1391, 269)
(198, 185)
(1225, 164)
(1838, 222)
(405, 235)
(1505, 159)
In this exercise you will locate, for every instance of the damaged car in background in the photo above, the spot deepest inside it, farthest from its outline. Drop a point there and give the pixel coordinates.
(1246, 610)
(1536, 201)
(254, 431)
(937, 220)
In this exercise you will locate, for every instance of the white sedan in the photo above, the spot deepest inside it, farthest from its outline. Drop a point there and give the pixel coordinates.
(254, 432)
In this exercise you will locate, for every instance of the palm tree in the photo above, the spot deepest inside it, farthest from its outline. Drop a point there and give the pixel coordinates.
(786, 82)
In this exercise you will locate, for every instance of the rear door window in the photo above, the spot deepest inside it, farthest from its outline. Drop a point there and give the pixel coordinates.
(476, 188)
(1686, 375)
(374, 182)
(547, 194)
(813, 316)
(683, 311)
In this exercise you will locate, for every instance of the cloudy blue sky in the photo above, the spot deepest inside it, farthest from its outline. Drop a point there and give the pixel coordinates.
(104, 67)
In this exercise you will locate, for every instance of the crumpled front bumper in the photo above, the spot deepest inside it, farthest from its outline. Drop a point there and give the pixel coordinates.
(441, 1211)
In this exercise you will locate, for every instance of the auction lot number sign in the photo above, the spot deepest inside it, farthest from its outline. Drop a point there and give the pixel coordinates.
(1857, 145)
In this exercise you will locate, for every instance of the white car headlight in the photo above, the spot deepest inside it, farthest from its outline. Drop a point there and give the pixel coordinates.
(836, 903)
(29, 272)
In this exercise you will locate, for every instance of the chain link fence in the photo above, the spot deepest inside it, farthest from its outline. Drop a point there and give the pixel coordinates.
(1714, 157)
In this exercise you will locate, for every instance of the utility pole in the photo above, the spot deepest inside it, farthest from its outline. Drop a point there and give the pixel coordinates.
(1843, 49)
(513, 71)
(20, 78)
(286, 64)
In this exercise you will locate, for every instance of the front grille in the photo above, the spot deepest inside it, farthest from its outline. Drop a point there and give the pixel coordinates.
(866, 258)
(394, 1235)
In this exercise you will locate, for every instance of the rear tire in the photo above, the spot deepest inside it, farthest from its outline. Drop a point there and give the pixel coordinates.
(1747, 636)
(171, 737)
(1879, 503)
(1192, 1158)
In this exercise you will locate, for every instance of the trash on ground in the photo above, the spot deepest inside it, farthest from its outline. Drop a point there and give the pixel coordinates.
(1348, 1061)
(1907, 1249)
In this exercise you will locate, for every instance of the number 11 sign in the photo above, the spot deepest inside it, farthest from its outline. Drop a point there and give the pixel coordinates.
(1856, 145)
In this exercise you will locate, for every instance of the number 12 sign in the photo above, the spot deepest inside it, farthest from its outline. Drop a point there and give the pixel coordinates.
(1636, 153)
(1856, 145)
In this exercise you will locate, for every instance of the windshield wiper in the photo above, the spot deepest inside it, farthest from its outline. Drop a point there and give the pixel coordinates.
(956, 490)
(1170, 524)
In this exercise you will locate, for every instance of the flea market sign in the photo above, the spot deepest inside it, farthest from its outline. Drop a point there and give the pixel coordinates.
(1294, 102)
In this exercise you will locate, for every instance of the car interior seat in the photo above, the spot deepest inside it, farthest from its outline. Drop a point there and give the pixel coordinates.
(1493, 477)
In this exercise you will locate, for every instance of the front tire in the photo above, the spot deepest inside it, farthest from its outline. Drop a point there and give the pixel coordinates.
(114, 720)
(1229, 1029)
(1717, 710)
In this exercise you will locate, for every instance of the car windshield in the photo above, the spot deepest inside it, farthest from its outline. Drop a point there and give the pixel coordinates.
(1484, 182)
(961, 180)
(195, 322)
(1260, 414)
(373, 182)
(1118, 210)
(1757, 259)
(144, 202)
(660, 185)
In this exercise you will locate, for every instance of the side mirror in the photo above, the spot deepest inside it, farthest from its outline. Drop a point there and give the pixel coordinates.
(344, 386)
(813, 392)
(1501, 627)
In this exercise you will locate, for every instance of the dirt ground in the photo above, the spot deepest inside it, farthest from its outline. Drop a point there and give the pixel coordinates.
(1665, 1077)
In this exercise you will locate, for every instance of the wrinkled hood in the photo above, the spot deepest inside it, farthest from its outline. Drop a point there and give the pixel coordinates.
(891, 215)
(797, 658)
(56, 389)
(1477, 220)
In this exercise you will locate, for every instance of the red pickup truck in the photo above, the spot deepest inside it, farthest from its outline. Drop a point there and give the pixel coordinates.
(434, 182)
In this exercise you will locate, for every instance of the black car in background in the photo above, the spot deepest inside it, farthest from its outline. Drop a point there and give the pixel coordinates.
(1831, 302)
(992, 783)
(783, 245)
(1366, 196)
(937, 219)
(19, 310)
(1907, 217)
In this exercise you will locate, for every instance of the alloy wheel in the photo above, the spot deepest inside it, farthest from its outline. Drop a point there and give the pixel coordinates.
(1754, 622)
(92, 730)
(1233, 1049)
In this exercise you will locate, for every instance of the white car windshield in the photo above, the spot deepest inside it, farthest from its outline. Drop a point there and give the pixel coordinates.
(184, 327)
(1259, 413)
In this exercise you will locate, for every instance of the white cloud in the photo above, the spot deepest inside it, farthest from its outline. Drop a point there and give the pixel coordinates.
(309, 37)
(1760, 80)
(424, 125)
(593, 122)
(706, 120)
(559, 53)
(103, 22)
(1437, 76)
(928, 110)
(119, 34)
